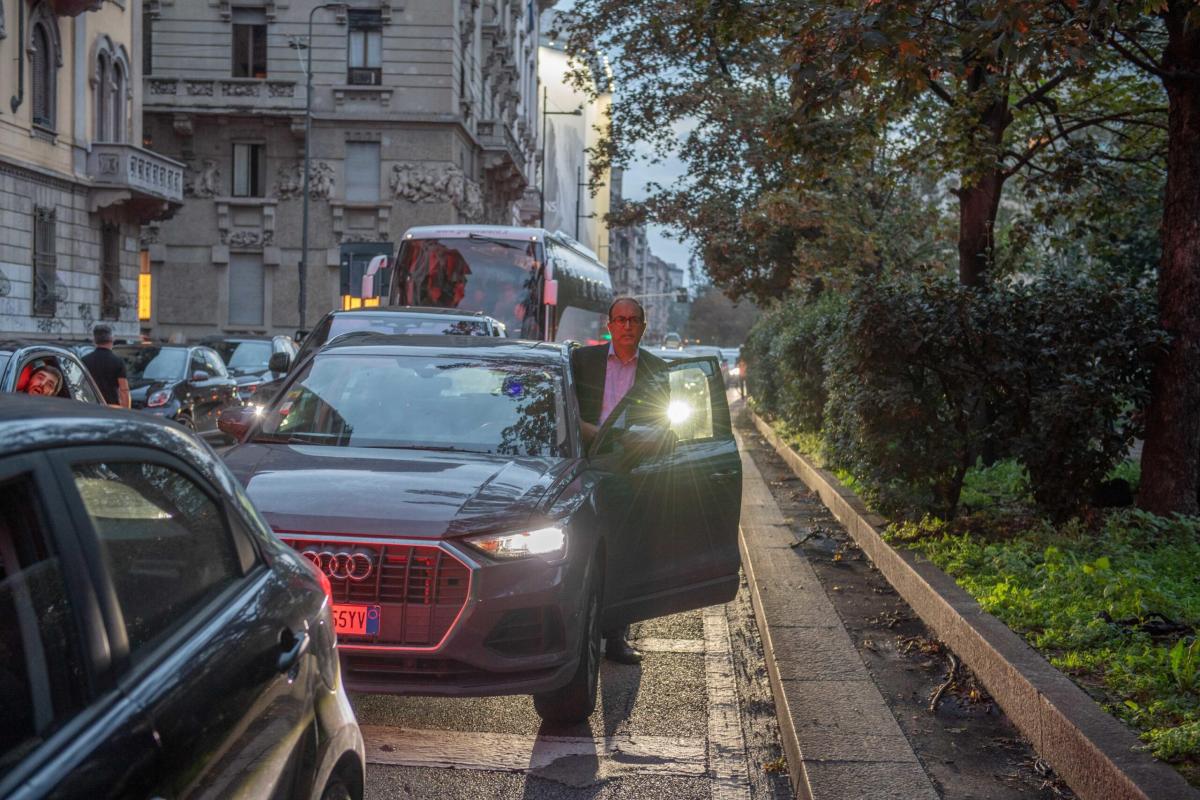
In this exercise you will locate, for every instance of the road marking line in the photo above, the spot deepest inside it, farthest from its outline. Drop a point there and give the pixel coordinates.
(652, 645)
(730, 778)
(600, 758)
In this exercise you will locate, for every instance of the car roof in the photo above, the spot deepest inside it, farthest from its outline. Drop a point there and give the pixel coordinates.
(37, 423)
(431, 311)
(491, 347)
(12, 345)
(158, 345)
(207, 340)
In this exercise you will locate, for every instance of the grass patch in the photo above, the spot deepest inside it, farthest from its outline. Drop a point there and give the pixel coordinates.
(1115, 606)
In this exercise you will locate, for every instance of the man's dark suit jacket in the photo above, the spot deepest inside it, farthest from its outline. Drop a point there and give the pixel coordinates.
(589, 367)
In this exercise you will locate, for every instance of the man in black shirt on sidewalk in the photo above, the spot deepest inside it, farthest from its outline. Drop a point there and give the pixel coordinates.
(107, 368)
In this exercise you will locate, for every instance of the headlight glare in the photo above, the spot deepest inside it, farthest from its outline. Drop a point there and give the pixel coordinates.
(545, 542)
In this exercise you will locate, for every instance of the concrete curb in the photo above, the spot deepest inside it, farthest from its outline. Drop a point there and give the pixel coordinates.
(787, 727)
(1092, 751)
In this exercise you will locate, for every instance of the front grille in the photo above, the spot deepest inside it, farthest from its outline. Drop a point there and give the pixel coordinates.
(420, 590)
(527, 632)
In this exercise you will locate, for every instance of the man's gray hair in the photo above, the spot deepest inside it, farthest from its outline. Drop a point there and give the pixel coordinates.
(640, 309)
(102, 334)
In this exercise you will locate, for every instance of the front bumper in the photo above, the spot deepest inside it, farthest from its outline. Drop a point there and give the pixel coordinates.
(515, 631)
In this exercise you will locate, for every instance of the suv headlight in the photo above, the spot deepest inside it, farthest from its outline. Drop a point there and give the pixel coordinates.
(545, 542)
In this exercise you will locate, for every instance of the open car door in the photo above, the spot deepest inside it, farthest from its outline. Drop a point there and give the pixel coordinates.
(671, 496)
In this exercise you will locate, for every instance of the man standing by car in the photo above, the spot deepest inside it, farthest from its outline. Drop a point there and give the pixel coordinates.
(604, 374)
(107, 368)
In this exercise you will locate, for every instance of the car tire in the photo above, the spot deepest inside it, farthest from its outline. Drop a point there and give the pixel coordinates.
(336, 790)
(576, 701)
(186, 421)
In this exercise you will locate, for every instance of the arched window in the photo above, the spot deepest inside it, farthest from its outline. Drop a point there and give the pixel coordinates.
(101, 114)
(117, 101)
(45, 57)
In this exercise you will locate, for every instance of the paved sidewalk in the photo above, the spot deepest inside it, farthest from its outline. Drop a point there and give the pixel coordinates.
(839, 734)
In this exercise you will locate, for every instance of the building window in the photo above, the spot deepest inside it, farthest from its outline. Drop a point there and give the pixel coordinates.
(109, 82)
(45, 263)
(110, 272)
(249, 43)
(44, 60)
(365, 48)
(147, 43)
(246, 289)
(100, 113)
(116, 90)
(362, 171)
(249, 170)
(145, 287)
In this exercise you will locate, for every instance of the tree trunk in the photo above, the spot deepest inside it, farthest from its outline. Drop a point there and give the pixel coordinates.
(1171, 457)
(977, 205)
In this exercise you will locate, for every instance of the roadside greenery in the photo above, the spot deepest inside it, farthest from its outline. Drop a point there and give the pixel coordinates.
(1114, 603)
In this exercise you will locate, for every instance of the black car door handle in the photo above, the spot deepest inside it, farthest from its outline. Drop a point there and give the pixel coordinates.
(288, 659)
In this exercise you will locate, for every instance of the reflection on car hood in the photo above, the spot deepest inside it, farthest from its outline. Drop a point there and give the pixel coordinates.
(140, 388)
(375, 491)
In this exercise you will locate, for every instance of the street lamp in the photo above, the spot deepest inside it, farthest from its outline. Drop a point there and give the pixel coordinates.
(545, 113)
(303, 301)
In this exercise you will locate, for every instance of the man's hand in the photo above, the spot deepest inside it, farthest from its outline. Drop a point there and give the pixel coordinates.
(123, 393)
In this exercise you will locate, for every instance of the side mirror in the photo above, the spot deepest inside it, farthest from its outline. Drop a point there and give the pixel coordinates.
(367, 289)
(279, 362)
(200, 375)
(235, 422)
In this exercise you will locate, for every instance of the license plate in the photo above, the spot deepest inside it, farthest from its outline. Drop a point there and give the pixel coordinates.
(356, 620)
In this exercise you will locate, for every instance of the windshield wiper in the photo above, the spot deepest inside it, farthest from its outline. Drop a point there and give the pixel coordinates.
(515, 244)
(433, 448)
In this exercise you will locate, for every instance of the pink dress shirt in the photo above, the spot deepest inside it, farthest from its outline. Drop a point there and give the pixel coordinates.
(618, 380)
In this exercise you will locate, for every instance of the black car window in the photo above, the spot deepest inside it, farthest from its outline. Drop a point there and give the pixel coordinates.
(42, 677)
(196, 364)
(216, 367)
(165, 543)
(153, 363)
(423, 402)
(245, 356)
(77, 382)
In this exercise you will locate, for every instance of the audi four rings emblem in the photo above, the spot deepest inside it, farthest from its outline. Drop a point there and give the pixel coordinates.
(343, 564)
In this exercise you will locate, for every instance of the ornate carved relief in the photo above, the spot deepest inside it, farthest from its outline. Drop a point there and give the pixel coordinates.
(202, 182)
(423, 182)
(290, 180)
(281, 89)
(238, 89)
(199, 88)
(321, 183)
(163, 86)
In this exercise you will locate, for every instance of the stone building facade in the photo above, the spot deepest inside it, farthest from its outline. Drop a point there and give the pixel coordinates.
(75, 183)
(423, 112)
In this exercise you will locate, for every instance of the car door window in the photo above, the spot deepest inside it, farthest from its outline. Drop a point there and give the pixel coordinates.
(78, 383)
(690, 410)
(42, 676)
(196, 364)
(216, 367)
(165, 542)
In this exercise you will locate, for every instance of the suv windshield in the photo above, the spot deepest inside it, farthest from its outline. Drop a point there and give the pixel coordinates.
(242, 357)
(422, 403)
(153, 363)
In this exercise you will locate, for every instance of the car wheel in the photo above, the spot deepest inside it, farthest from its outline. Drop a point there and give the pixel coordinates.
(576, 701)
(186, 421)
(336, 790)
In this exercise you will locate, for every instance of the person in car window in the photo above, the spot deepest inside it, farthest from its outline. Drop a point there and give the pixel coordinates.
(45, 380)
(604, 374)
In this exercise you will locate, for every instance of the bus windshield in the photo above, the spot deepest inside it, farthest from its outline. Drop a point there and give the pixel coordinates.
(499, 277)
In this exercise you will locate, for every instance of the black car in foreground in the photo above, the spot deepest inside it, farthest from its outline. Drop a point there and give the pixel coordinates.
(184, 383)
(19, 360)
(474, 546)
(156, 640)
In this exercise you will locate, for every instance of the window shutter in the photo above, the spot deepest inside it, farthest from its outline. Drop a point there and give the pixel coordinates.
(245, 289)
(38, 60)
(362, 171)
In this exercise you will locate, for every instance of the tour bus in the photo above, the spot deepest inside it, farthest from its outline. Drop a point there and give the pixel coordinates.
(540, 284)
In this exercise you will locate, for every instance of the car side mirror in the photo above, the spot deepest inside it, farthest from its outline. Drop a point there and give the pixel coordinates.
(235, 422)
(200, 375)
(279, 362)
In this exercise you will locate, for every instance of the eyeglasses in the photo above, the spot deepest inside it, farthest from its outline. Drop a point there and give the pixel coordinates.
(632, 321)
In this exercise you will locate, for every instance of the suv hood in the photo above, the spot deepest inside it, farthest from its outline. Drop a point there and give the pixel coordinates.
(380, 492)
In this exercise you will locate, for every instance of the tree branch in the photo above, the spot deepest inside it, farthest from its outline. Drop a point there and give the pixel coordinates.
(1039, 94)
(1024, 158)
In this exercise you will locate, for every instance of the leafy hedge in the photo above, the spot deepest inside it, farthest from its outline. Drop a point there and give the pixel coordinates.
(912, 380)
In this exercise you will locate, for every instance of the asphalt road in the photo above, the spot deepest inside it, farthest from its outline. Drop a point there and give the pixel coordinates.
(694, 720)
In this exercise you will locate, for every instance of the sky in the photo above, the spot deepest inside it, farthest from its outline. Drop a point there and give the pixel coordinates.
(637, 175)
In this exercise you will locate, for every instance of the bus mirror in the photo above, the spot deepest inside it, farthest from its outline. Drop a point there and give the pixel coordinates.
(550, 293)
(368, 280)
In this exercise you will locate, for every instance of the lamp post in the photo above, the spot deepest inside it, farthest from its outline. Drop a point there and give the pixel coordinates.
(303, 300)
(545, 113)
